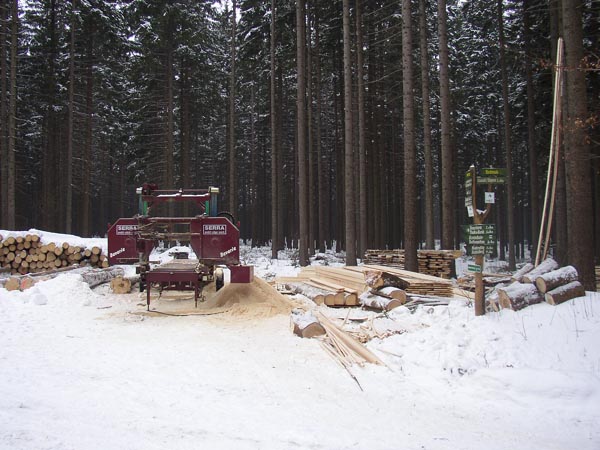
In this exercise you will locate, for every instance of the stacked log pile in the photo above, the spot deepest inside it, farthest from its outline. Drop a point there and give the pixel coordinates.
(377, 287)
(27, 254)
(547, 282)
(438, 263)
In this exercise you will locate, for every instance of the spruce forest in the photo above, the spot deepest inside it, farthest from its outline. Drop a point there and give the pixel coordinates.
(348, 124)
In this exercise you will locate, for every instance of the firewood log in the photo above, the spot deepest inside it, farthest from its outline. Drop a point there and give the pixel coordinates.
(519, 295)
(555, 278)
(97, 277)
(378, 302)
(306, 325)
(565, 292)
(545, 266)
(122, 285)
(12, 284)
(377, 279)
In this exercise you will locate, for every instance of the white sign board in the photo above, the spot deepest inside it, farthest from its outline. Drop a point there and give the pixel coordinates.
(490, 197)
(470, 210)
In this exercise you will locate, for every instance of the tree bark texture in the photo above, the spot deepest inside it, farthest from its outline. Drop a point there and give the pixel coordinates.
(508, 146)
(410, 158)
(427, 147)
(301, 132)
(577, 149)
(231, 122)
(350, 198)
(446, 149)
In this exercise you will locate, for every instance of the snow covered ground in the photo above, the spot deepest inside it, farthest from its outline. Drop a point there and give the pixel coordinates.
(82, 369)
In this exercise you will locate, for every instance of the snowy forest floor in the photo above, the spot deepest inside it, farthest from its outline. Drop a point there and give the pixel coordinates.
(83, 369)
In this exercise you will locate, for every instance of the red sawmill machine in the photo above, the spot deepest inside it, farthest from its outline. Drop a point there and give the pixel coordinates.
(213, 236)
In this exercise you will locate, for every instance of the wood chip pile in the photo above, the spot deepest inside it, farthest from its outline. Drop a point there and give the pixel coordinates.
(531, 285)
(26, 254)
(438, 263)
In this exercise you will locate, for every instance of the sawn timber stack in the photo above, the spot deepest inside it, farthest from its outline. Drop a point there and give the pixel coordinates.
(439, 263)
(342, 286)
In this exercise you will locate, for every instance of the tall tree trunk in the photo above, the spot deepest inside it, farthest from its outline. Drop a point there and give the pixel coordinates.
(349, 196)
(312, 211)
(508, 146)
(362, 150)
(252, 189)
(427, 148)
(70, 137)
(560, 228)
(274, 150)
(12, 116)
(49, 159)
(186, 131)
(232, 153)
(446, 150)
(170, 125)
(322, 196)
(89, 134)
(531, 141)
(301, 133)
(4, 7)
(577, 149)
(410, 157)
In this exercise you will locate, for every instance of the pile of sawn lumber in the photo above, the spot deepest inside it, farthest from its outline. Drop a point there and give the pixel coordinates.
(531, 285)
(438, 263)
(370, 285)
(26, 254)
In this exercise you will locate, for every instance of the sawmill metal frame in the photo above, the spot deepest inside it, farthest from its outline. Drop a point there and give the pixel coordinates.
(214, 236)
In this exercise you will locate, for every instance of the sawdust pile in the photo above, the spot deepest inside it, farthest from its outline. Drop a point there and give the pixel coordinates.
(256, 299)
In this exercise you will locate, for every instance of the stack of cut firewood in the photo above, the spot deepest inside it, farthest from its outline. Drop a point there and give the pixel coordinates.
(376, 287)
(531, 285)
(27, 254)
(439, 263)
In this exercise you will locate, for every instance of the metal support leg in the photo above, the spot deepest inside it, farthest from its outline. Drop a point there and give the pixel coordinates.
(148, 296)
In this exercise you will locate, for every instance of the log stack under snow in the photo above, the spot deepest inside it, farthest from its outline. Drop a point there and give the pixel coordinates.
(547, 282)
(27, 254)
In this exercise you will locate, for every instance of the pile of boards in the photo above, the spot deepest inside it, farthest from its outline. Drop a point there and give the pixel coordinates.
(26, 254)
(438, 263)
(375, 286)
(531, 285)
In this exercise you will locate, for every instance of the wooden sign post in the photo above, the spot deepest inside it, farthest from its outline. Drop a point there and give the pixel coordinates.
(478, 241)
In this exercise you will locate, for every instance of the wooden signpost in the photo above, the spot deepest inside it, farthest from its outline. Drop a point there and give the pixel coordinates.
(480, 237)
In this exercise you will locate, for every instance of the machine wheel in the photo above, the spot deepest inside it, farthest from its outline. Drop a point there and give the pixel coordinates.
(219, 279)
(227, 215)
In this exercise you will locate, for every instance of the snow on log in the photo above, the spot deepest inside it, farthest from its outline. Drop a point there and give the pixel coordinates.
(545, 266)
(518, 275)
(96, 277)
(393, 292)
(378, 302)
(377, 279)
(316, 294)
(555, 278)
(306, 325)
(565, 292)
(519, 295)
